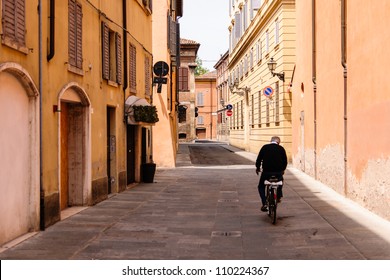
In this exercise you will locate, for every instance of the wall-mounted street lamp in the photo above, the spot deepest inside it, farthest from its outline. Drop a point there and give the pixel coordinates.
(272, 67)
(238, 90)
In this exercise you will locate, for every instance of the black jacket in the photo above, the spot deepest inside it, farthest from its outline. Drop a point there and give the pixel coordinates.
(273, 157)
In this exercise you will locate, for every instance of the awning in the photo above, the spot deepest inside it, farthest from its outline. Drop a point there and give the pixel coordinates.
(130, 101)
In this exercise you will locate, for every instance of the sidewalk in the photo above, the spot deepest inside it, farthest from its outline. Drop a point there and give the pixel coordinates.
(212, 212)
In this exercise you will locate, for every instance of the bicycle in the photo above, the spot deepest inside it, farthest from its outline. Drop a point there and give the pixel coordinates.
(272, 185)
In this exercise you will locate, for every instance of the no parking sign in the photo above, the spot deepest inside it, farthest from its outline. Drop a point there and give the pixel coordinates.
(268, 91)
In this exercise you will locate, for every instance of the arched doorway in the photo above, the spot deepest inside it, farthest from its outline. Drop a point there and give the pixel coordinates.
(74, 147)
(19, 150)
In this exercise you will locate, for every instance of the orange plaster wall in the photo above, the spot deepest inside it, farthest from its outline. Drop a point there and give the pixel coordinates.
(369, 89)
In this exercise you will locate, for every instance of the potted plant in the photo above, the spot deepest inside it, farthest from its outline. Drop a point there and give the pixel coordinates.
(148, 171)
(147, 114)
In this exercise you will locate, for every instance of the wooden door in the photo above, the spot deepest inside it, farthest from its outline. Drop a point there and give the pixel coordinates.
(130, 154)
(64, 156)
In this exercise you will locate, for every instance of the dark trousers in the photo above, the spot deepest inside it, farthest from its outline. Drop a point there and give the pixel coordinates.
(261, 187)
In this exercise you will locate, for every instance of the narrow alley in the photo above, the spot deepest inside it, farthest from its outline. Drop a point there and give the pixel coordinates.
(208, 208)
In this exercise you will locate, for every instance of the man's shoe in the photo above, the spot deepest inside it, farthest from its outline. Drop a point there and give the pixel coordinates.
(264, 208)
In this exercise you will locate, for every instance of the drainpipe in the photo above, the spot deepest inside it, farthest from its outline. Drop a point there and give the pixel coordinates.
(125, 81)
(41, 190)
(314, 79)
(52, 30)
(344, 64)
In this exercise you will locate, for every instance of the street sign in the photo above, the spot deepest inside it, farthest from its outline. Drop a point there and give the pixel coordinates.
(161, 68)
(229, 113)
(268, 91)
(159, 80)
(229, 106)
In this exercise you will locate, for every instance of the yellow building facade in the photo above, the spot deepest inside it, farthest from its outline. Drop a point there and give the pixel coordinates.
(261, 31)
(166, 44)
(67, 74)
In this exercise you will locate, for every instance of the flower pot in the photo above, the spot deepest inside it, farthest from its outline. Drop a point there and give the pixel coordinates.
(148, 171)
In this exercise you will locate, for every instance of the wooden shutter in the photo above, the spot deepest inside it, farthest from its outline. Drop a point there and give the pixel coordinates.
(147, 76)
(79, 36)
(75, 34)
(20, 21)
(183, 79)
(72, 32)
(118, 58)
(105, 51)
(133, 67)
(13, 19)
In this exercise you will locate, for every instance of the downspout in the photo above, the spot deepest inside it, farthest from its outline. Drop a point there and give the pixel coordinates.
(51, 30)
(41, 190)
(314, 79)
(125, 81)
(211, 110)
(344, 64)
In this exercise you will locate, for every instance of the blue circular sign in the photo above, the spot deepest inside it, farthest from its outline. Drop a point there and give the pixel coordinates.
(268, 91)
(229, 106)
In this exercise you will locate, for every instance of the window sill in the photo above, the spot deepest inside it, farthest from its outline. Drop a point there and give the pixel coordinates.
(14, 45)
(75, 70)
(112, 83)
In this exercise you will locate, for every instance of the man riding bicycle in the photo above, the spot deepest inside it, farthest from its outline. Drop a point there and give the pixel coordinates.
(273, 160)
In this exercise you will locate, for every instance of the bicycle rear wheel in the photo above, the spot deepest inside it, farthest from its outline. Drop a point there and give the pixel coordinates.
(272, 206)
(273, 216)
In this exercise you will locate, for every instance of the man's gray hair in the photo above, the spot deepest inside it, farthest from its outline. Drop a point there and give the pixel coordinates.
(275, 139)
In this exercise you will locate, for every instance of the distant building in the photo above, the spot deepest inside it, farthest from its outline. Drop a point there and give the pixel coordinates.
(186, 109)
(222, 97)
(206, 104)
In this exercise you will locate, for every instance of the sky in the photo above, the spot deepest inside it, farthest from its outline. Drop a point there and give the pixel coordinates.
(206, 22)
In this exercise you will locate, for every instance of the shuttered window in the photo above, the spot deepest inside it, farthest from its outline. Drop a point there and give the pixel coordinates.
(148, 76)
(75, 34)
(183, 79)
(277, 96)
(13, 20)
(111, 55)
(105, 51)
(133, 68)
(148, 4)
(200, 99)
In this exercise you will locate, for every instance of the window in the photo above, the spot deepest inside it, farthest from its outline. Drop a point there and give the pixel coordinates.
(255, 6)
(183, 79)
(259, 51)
(267, 41)
(147, 4)
(277, 103)
(14, 26)
(276, 32)
(252, 109)
(111, 55)
(251, 59)
(75, 34)
(267, 112)
(148, 76)
(182, 113)
(259, 109)
(200, 99)
(200, 120)
(133, 68)
(242, 113)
